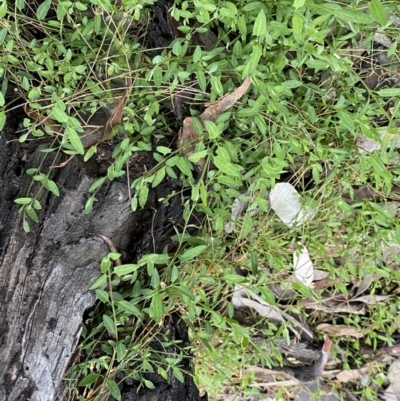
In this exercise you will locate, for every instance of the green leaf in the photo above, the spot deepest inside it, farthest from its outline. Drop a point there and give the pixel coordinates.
(213, 131)
(3, 9)
(155, 279)
(102, 295)
(178, 374)
(121, 350)
(23, 201)
(226, 167)
(260, 25)
(253, 60)
(156, 308)
(32, 214)
(217, 85)
(191, 253)
(201, 79)
(109, 325)
(89, 379)
(114, 389)
(377, 12)
(297, 27)
(148, 384)
(123, 270)
(298, 3)
(2, 119)
(185, 291)
(143, 195)
(74, 139)
(20, 4)
(389, 92)
(52, 187)
(158, 177)
(183, 165)
(197, 54)
(99, 282)
(43, 10)
(247, 226)
(344, 13)
(128, 307)
(2, 100)
(98, 183)
(26, 227)
(89, 153)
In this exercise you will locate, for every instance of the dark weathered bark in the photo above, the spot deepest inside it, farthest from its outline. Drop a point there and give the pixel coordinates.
(45, 275)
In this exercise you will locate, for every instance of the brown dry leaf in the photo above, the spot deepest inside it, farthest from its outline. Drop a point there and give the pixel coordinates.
(42, 120)
(188, 137)
(339, 330)
(370, 299)
(349, 375)
(115, 118)
(363, 285)
(331, 306)
(215, 109)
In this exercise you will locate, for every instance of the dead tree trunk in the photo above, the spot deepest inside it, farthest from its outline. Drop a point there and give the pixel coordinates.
(45, 275)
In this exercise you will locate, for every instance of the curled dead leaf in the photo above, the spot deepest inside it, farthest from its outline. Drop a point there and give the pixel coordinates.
(349, 375)
(188, 136)
(339, 330)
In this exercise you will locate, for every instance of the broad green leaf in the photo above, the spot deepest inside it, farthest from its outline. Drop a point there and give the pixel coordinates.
(99, 282)
(297, 27)
(195, 157)
(217, 85)
(2, 119)
(43, 9)
(148, 384)
(260, 25)
(197, 54)
(253, 61)
(102, 295)
(89, 379)
(201, 79)
(226, 167)
(191, 253)
(3, 9)
(114, 389)
(98, 183)
(52, 187)
(156, 308)
(298, 3)
(123, 270)
(389, 92)
(183, 165)
(344, 13)
(128, 307)
(247, 226)
(378, 12)
(143, 195)
(23, 201)
(20, 4)
(121, 350)
(74, 139)
(155, 279)
(2, 100)
(254, 262)
(158, 177)
(213, 130)
(185, 291)
(109, 325)
(26, 226)
(32, 214)
(178, 374)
